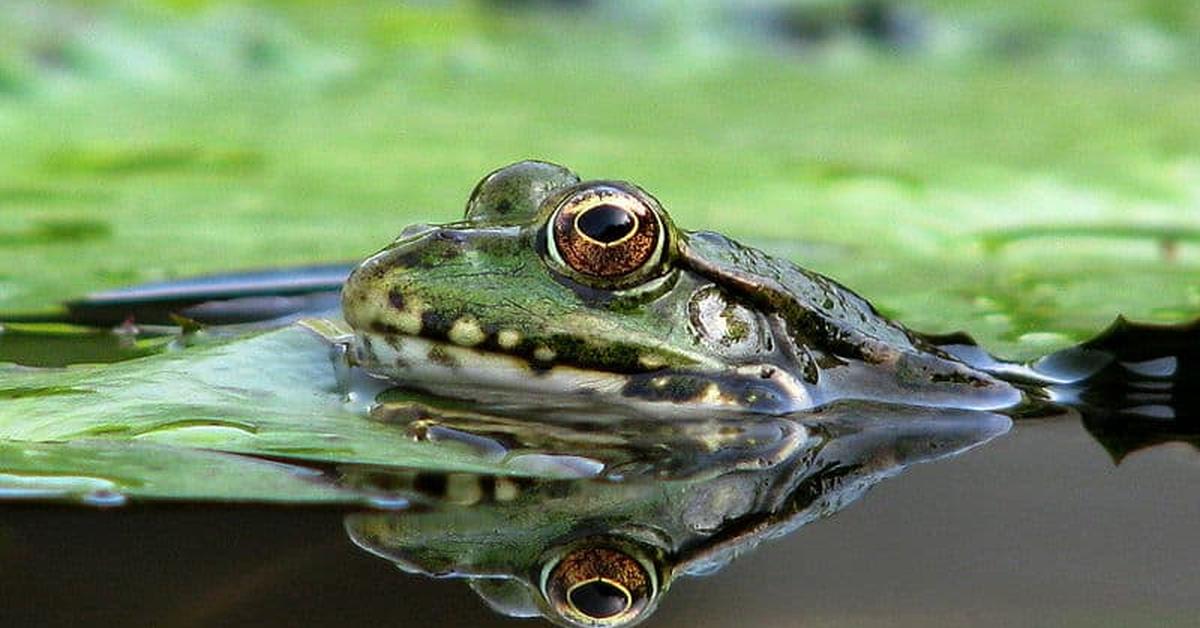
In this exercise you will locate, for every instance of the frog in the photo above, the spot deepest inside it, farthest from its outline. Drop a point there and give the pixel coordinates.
(593, 553)
(559, 291)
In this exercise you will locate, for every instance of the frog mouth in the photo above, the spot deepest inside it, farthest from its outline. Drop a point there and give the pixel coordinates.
(485, 372)
(479, 373)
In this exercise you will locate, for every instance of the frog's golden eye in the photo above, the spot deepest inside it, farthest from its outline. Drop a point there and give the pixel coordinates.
(598, 586)
(607, 234)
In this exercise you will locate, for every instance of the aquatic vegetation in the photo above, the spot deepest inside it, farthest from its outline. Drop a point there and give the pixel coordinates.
(1025, 173)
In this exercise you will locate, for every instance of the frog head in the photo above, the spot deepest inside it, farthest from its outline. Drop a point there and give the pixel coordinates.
(560, 289)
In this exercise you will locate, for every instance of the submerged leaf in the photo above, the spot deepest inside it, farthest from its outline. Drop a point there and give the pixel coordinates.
(140, 424)
(101, 472)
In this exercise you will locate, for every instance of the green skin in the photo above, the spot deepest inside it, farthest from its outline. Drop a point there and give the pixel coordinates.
(506, 534)
(714, 325)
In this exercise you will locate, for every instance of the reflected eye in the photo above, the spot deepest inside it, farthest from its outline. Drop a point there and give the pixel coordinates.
(598, 586)
(606, 235)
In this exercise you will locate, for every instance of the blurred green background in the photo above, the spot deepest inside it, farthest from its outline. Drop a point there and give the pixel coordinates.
(1025, 171)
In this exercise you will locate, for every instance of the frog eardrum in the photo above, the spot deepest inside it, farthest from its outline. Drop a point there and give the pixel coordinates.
(598, 585)
(606, 234)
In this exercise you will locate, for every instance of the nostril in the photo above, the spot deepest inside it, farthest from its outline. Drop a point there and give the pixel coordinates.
(447, 235)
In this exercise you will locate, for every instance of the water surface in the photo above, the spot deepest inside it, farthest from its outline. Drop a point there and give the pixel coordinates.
(1037, 527)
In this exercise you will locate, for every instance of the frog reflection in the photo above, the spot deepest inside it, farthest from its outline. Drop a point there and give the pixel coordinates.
(603, 553)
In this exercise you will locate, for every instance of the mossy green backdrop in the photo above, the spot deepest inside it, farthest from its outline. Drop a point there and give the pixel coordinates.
(1025, 173)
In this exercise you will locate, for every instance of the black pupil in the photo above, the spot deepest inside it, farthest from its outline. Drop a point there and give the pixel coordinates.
(605, 223)
(599, 599)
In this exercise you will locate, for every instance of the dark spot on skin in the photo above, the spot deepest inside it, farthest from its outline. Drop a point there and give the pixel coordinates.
(438, 355)
(384, 329)
(396, 298)
(435, 324)
(450, 236)
(490, 333)
(571, 351)
(615, 357)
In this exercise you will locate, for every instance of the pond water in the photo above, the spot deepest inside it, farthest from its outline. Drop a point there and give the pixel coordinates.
(797, 126)
(1036, 527)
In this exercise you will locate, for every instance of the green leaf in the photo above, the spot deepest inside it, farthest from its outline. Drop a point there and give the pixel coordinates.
(150, 427)
(109, 473)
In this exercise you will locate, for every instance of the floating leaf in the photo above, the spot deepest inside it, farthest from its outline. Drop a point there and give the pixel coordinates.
(273, 396)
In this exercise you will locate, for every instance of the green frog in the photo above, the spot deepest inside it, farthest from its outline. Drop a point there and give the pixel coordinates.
(598, 553)
(569, 292)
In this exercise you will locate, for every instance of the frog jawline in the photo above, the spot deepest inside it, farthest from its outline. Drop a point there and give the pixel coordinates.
(481, 375)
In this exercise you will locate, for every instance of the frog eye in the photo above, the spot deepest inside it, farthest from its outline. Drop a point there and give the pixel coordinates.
(598, 586)
(606, 234)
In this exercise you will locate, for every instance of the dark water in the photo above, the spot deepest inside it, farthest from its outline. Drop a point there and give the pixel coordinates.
(1037, 528)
